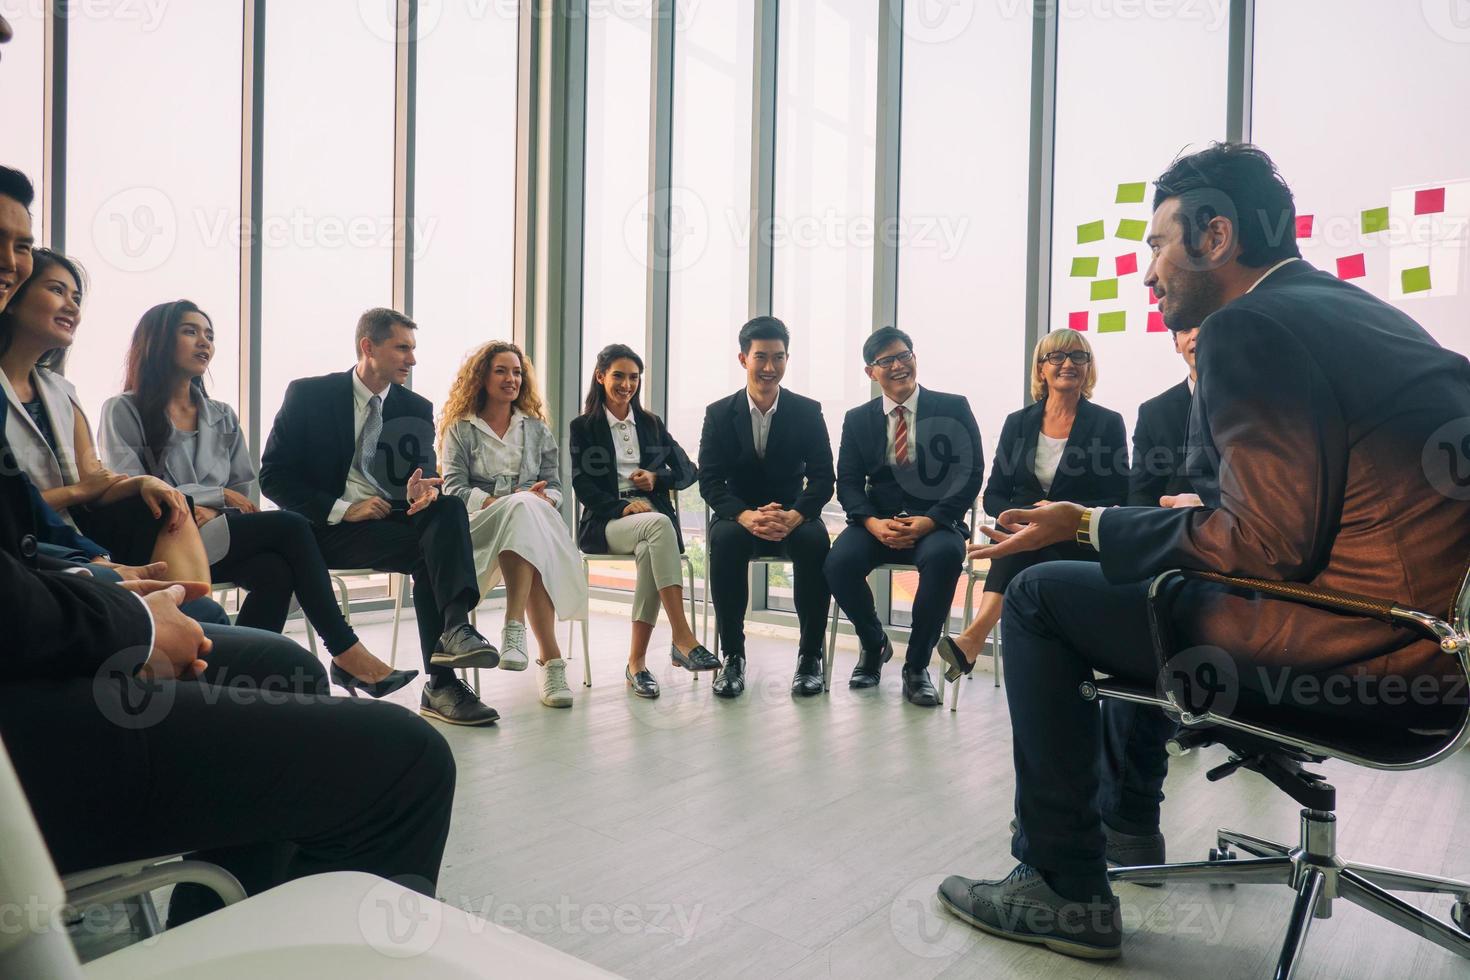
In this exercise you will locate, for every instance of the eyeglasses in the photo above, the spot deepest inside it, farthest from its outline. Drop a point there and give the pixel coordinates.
(1078, 357)
(887, 363)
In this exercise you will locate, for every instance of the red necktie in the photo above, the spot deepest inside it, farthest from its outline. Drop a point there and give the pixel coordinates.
(901, 439)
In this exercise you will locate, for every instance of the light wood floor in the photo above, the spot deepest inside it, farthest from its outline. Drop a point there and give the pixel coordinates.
(771, 837)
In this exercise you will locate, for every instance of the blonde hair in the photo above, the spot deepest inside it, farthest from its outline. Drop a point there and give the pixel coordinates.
(1066, 340)
(467, 393)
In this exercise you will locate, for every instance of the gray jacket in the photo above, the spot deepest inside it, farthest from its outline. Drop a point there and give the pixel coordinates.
(468, 449)
(219, 459)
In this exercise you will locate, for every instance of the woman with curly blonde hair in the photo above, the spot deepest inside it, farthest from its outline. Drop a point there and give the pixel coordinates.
(499, 456)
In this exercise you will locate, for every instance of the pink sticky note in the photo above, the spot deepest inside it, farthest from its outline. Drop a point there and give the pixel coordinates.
(1430, 201)
(1304, 225)
(1077, 321)
(1156, 322)
(1153, 297)
(1351, 267)
(1124, 264)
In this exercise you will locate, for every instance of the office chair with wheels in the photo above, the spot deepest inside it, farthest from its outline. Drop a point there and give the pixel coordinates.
(1279, 744)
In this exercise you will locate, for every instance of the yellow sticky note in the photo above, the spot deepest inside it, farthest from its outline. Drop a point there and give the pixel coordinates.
(1131, 193)
(1093, 231)
(1085, 266)
(1114, 322)
(1104, 289)
(1132, 229)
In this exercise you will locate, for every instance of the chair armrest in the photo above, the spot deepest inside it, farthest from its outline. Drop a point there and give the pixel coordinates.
(133, 881)
(1331, 599)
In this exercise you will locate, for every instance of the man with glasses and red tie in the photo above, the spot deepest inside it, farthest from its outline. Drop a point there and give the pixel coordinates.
(908, 469)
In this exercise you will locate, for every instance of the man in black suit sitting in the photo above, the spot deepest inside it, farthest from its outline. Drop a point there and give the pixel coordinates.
(1162, 435)
(765, 469)
(908, 470)
(350, 452)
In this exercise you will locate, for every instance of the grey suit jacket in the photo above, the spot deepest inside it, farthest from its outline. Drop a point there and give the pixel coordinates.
(220, 458)
(33, 456)
(466, 455)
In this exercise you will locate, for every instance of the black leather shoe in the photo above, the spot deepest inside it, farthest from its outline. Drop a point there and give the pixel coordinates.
(1129, 850)
(695, 660)
(731, 682)
(1022, 906)
(395, 681)
(642, 683)
(956, 663)
(869, 667)
(808, 679)
(463, 646)
(917, 689)
(452, 702)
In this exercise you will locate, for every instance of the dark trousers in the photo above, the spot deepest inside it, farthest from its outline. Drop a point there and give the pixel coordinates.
(118, 770)
(273, 554)
(432, 545)
(939, 557)
(731, 547)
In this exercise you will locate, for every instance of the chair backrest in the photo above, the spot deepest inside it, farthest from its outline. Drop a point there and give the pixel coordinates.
(33, 939)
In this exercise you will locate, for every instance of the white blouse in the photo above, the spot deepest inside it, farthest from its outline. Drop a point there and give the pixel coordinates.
(1048, 458)
(625, 445)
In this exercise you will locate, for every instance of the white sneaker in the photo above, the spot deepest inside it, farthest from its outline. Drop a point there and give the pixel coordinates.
(513, 646)
(554, 690)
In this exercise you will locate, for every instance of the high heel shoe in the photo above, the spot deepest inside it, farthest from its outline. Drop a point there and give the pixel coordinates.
(395, 681)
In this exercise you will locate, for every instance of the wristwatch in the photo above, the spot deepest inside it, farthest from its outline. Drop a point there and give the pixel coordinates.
(1084, 528)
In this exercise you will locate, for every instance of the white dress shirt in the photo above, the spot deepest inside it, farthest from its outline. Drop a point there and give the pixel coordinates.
(1048, 458)
(625, 447)
(359, 487)
(760, 422)
(911, 414)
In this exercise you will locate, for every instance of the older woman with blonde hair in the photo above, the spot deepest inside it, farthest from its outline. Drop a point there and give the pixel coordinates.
(500, 457)
(1061, 447)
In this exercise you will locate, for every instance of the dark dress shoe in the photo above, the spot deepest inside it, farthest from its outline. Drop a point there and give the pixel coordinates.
(731, 682)
(463, 646)
(808, 679)
(393, 682)
(642, 683)
(695, 660)
(452, 702)
(869, 667)
(956, 663)
(917, 689)
(1023, 907)
(1128, 850)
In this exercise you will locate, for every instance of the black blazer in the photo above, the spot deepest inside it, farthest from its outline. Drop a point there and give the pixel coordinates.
(948, 469)
(56, 624)
(595, 474)
(795, 473)
(311, 445)
(1160, 441)
(1093, 470)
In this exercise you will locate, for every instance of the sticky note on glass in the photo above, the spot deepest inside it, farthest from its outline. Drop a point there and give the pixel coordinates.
(1104, 289)
(1429, 202)
(1156, 322)
(1093, 231)
(1131, 193)
(1077, 321)
(1375, 219)
(1132, 229)
(1304, 225)
(1085, 266)
(1416, 280)
(1351, 267)
(1114, 322)
(1125, 264)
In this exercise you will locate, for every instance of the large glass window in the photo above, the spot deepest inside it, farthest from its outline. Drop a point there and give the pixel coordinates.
(153, 181)
(1378, 163)
(327, 223)
(23, 69)
(1133, 90)
(464, 190)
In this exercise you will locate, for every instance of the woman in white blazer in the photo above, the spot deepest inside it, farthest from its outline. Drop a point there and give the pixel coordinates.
(500, 458)
(139, 519)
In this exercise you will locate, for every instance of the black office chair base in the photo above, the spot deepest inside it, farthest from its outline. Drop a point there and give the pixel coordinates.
(1313, 870)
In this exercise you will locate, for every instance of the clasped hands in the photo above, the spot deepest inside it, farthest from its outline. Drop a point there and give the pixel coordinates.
(422, 491)
(771, 522)
(899, 533)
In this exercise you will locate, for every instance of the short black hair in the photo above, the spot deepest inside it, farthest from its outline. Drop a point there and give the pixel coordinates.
(1237, 181)
(880, 339)
(764, 328)
(14, 184)
(377, 324)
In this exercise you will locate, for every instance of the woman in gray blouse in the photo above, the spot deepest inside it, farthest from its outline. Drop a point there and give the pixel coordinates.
(500, 458)
(167, 426)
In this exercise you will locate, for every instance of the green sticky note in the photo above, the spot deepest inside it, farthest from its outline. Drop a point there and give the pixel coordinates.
(1115, 322)
(1104, 289)
(1132, 229)
(1416, 280)
(1131, 193)
(1375, 219)
(1093, 231)
(1085, 266)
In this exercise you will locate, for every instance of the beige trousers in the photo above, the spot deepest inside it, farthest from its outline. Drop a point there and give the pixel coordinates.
(651, 540)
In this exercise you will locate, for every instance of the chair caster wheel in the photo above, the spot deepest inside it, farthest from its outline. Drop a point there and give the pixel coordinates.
(1222, 854)
(1460, 913)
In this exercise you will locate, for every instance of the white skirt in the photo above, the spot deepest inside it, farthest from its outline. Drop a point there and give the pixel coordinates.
(532, 528)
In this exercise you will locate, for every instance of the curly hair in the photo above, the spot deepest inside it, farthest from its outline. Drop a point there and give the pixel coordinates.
(467, 393)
